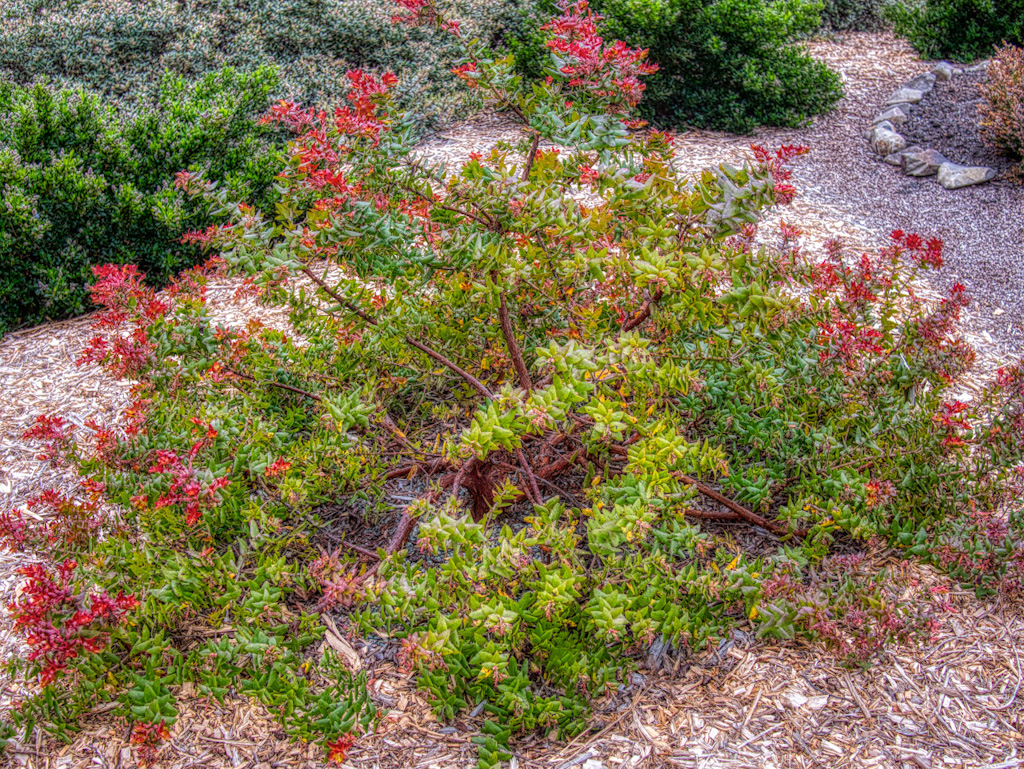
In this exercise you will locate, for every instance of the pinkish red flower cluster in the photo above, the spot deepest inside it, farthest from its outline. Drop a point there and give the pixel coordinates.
(123, 296)
(417, 12)
(951, 418)
(879, 493)
(58, 624)
(146, 738)
(367, 117)
(277, 468)
(186, 489)
(924, 253)
(58, 521)
(121, 292)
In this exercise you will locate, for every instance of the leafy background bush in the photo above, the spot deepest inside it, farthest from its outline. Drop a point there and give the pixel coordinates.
(855, 15)
(724, 64)
(959, 29)
(121, 49)
(1002, 112)
(85, 184)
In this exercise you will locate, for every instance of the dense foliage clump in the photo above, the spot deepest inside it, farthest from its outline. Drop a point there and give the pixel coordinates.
(959, 29)
(529, 417)
(84, 184)
(1002, 111)
(121, 49)
(855, 15)
(723, 64)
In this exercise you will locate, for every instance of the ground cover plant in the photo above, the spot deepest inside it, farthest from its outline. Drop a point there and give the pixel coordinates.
(965, 30)
(530, 417)
(85, 184)
(723, 64)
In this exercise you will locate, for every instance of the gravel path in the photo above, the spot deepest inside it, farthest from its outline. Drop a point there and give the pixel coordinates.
(982, 226)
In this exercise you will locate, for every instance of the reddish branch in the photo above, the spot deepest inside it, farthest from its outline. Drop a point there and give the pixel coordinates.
(531, 157)
(272, 383)
(472, 380)
(739, 510)
(712, 515)
(404, 470)
(530, 477)
(510, 341)
(360, 550)
(475, 383)
(645, 312)
(338, 298)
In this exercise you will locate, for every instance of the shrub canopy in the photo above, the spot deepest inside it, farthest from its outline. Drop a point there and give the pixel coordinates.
(85, 185)
(723, 64)
(964, 30)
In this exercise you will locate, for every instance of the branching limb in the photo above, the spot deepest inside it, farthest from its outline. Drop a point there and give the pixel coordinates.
(645, 312)
(513, 347)
(475, 383)
(272, 383)
(337, 297)
(531, 157)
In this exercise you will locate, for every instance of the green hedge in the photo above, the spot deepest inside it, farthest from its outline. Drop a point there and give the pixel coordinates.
(725, 64)
(84, 184)
(121, 48)
(959, 29)
(855, 15)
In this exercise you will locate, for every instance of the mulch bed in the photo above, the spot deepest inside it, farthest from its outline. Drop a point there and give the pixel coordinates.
(947, 120)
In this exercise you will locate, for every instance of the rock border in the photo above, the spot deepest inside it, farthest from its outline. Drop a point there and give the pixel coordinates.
(915, 161)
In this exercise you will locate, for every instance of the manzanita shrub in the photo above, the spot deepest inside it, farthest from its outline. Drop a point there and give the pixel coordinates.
(529, 418)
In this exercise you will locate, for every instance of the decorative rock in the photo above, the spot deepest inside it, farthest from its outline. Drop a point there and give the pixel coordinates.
(885, 125)
(896, 158)
(893, 115)
(923, 82)
(981, 66)
(908, 95)
(921, 162)
(886, 142)
(952, 176)
(943, 70)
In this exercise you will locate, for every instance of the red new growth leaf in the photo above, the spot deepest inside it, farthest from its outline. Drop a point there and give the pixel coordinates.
(612, 73)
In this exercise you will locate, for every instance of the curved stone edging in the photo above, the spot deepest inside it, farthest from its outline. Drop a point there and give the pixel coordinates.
(886, 140)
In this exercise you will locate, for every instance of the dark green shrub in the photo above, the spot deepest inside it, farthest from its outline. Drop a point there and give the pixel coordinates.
(85, 185)
(854, 15)
(959, 29)
(725, 64)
